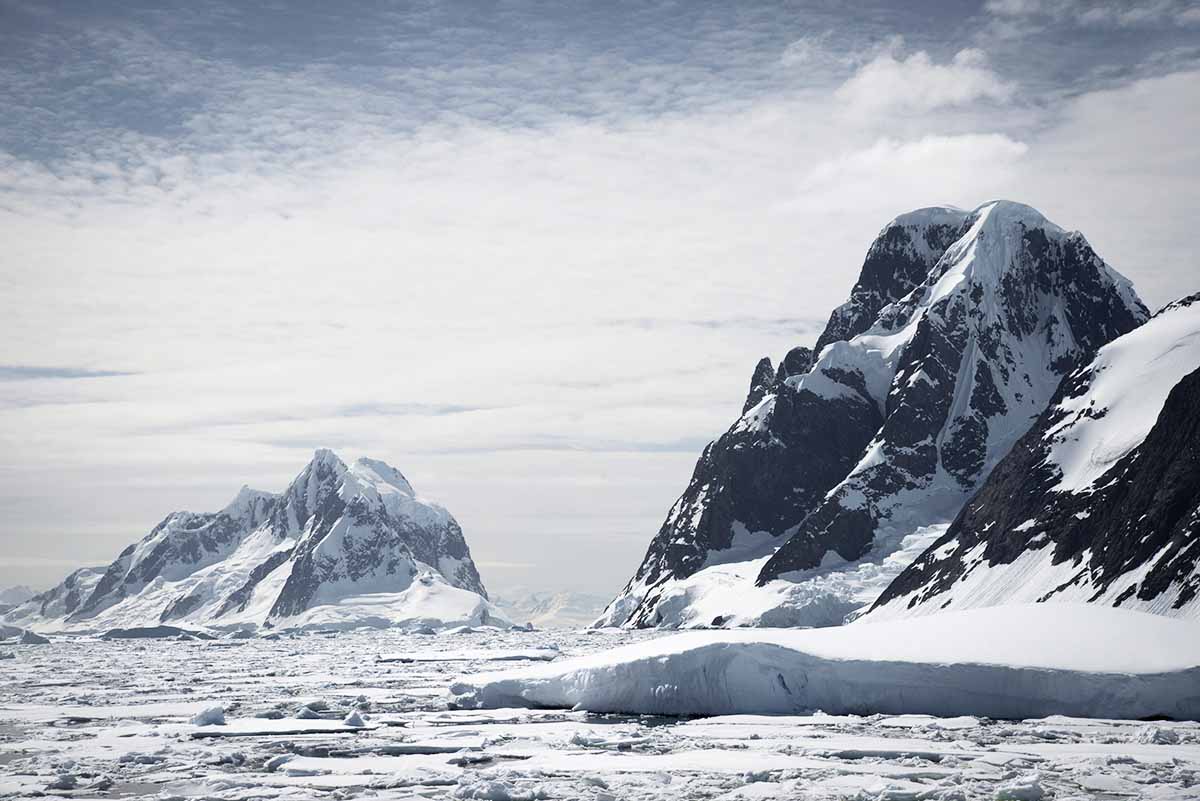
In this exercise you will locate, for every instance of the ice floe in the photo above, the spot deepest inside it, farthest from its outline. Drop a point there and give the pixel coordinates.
(1002, 662)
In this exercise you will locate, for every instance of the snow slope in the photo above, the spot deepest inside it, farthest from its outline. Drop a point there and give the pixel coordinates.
(957, 334)
(1010, 662)
(1099, 502)
(1127, 384)
(342, 546)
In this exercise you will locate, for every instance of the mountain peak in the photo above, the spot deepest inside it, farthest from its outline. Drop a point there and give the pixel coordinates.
(898, 260)
(1009, 212)
(248, 501)
(316, 486)
(930, 215)
(382, 475)
(956, 334)
(327, 477)
(325, 456)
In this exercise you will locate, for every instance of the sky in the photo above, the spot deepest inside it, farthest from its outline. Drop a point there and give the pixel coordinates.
(528, 253)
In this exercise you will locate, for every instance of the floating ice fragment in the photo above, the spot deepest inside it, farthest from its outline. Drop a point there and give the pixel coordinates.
(212, 716)
(274, 763)
(65, 781)
(489, 790)
(1022, 788)
(1157, 735)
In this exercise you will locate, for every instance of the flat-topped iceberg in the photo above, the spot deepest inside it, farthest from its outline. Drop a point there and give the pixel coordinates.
(1002, 662)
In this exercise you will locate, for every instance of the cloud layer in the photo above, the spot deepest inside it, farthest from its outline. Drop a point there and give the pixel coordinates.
(528, 257)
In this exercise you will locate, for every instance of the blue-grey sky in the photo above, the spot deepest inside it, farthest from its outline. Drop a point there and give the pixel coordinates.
(526, 252)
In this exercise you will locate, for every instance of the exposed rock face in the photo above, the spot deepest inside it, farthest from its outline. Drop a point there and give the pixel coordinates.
(337, 532)
(899, 259)
(1009, 309)
(958, 331)
(65, 598)
(1099, 502)
(370, 531)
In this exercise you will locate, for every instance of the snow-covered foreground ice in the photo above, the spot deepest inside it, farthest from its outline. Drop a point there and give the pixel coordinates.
(1005, 662)
(115, 719)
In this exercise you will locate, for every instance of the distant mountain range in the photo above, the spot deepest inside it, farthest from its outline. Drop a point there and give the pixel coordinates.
(12, 596)
(341, 546)
(849, 461)
(552, 609)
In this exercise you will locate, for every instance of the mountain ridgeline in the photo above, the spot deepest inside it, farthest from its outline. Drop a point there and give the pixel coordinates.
(956, 336)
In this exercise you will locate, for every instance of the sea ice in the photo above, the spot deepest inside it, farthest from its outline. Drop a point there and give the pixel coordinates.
(116, 716)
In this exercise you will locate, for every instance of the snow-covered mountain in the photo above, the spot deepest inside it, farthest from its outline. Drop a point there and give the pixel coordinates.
(1099, 502)
(341, 546)
(11, 596)
(847, 462)
(566, 609)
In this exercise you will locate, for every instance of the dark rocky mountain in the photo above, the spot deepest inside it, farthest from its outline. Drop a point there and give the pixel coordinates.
(897, 262)
(1099, 502)
(338, 533)
(957, 333)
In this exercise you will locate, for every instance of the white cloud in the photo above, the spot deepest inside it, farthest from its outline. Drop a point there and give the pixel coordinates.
(916, 84)
(890, 175)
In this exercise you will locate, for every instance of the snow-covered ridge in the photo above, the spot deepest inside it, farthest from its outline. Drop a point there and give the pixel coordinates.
(931, 215)
(343, 545)
(1127, 383)
(1099, 502)
(956, 336)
